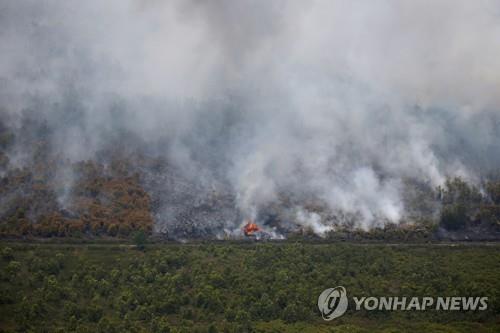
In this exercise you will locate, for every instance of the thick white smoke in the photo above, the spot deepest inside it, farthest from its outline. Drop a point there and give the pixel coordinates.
(341, 99)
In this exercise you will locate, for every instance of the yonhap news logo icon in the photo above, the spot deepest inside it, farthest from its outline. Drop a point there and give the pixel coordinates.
(333, 302)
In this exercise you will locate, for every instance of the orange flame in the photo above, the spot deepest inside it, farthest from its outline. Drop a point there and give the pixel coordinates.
(250, 228)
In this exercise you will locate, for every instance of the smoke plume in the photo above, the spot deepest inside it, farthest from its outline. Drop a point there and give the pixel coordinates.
(281, 102)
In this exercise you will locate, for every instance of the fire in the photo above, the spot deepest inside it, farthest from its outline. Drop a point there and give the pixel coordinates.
(250, 228)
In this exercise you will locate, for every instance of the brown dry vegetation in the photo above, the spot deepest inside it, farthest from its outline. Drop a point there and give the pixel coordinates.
(99, 203)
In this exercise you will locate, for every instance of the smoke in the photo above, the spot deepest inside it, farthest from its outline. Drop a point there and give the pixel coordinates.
(313, 221)
(339, 101)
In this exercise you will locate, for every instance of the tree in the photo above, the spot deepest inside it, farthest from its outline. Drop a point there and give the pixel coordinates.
(140, 239)
(493, 188)
(461, 202)
(454, 217)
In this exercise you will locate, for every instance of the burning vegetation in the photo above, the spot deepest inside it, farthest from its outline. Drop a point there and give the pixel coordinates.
(120, 192)
(250, 228)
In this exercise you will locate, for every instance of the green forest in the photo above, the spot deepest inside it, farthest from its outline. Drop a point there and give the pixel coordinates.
(239, 287)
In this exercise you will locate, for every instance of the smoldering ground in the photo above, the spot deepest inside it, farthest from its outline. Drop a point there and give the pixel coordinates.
(254, 103)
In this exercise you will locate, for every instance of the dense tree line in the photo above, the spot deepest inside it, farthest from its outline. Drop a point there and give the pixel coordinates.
(238, 287)
(465, 205)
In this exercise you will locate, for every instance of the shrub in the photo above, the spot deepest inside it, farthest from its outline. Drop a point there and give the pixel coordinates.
(7, 254)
